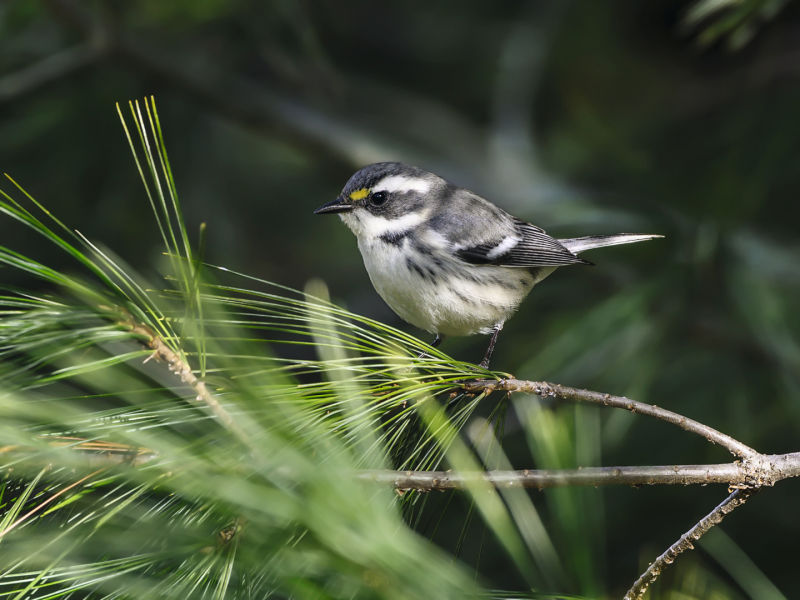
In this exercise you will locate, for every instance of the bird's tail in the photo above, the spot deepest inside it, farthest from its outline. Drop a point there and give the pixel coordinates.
(589, 242)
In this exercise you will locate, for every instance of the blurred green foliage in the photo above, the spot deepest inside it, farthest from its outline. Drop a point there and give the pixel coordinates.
(583, 117)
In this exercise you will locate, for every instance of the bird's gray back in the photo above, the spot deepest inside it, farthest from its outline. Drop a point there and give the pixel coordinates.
(464, 215)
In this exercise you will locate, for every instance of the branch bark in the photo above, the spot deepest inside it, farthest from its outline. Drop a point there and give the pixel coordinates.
(571, 394)
(179, 367)
(766, 471)
(686, 542)
(755, 469)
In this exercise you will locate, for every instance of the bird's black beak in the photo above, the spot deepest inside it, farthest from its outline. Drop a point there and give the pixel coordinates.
(334, 206)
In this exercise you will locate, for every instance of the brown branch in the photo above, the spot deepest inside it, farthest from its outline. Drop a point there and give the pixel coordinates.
(729, 473)
(765, 471)
(686, 542)
(49, 500)
(756, 469)
(563, 392)
(179, 367)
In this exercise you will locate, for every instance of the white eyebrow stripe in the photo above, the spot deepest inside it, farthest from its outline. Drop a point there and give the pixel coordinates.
(402, 184)
(507, 244)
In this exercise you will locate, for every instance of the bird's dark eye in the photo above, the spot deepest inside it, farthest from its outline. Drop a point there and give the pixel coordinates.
(378, 198)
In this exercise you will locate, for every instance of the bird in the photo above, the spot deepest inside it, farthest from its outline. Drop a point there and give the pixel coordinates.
(445, 259)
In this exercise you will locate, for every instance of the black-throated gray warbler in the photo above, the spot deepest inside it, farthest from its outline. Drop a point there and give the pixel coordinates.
(445, 259)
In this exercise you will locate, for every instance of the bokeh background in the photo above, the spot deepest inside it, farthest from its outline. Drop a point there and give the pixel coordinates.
(582, 117)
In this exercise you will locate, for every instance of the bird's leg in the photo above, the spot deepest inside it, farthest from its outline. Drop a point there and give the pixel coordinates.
(437, 340)
(484, 364)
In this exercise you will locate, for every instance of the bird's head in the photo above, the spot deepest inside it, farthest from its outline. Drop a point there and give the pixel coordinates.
(385, 198)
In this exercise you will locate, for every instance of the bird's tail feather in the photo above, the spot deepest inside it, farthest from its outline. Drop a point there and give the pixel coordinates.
(577, 245)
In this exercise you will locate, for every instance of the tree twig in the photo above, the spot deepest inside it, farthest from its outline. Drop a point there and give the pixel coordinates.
(766, 471)
(758, 470)
(686, 541)
(183, 371)
(44, 503)
(555, 390)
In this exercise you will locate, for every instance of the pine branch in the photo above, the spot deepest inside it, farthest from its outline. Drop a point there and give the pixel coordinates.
(735, 474)
(753, 472)
(43, 504)
(180, 368)
(686, 542)
(757, 470)
(555, 390)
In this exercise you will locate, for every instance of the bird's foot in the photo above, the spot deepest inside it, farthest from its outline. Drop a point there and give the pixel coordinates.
(437, 340)
(484, 364)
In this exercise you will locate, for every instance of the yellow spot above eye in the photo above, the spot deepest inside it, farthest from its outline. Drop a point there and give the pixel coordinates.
(359, 194)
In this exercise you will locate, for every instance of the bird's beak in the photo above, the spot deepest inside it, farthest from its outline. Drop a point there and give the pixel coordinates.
(334, 206)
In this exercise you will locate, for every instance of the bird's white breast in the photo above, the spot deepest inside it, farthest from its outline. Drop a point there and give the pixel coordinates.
(436, 292)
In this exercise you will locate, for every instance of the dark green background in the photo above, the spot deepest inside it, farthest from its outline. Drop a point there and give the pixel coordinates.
(582, 117)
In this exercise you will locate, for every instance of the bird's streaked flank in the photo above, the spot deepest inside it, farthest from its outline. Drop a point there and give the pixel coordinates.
(445, 259)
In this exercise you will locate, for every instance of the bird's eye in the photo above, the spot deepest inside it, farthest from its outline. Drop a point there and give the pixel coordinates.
(378, 198)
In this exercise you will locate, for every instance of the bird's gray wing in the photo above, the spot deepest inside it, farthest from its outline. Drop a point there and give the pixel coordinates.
(478, 232)
(525, 246)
